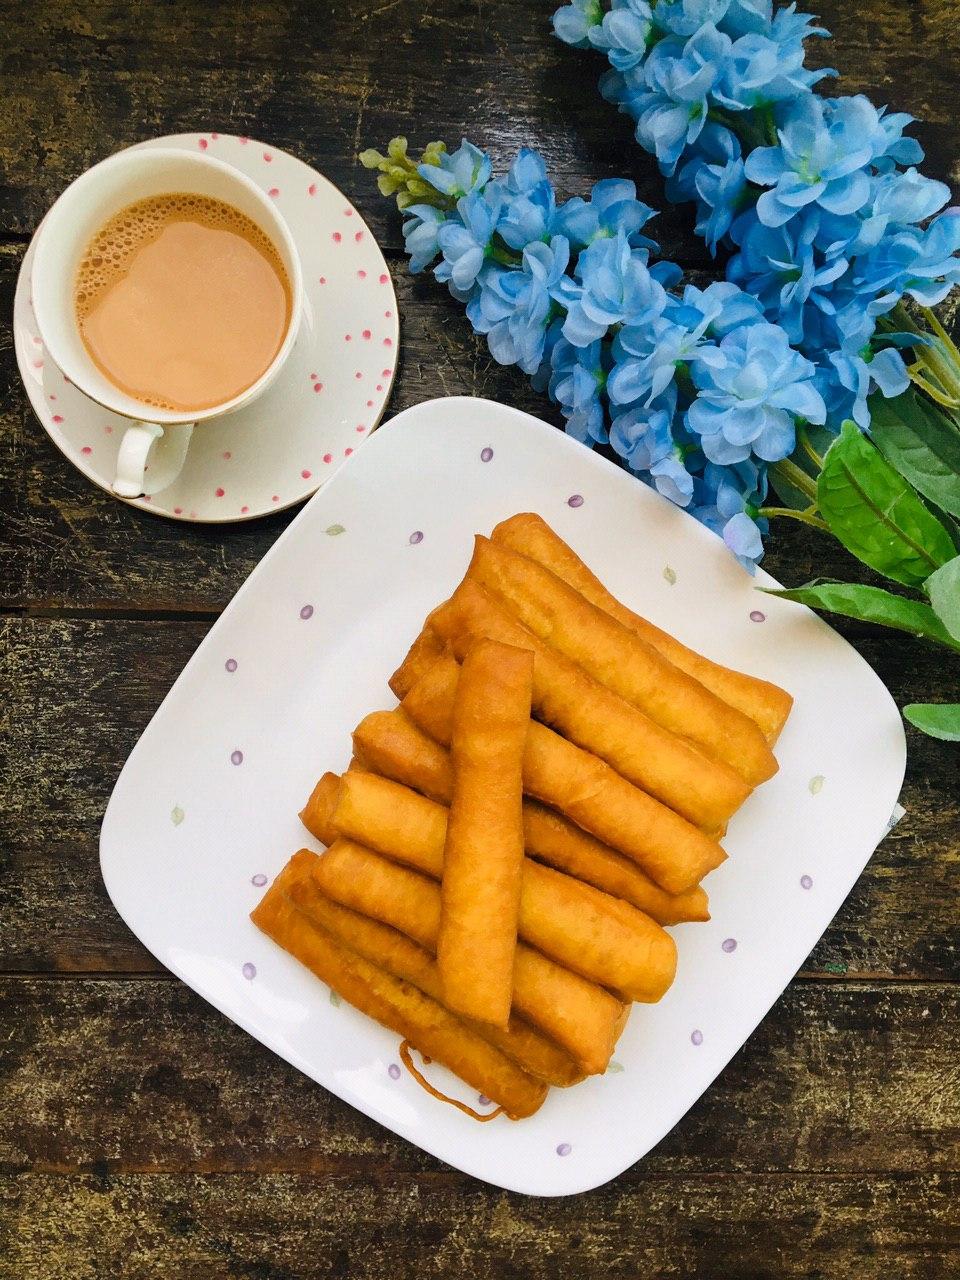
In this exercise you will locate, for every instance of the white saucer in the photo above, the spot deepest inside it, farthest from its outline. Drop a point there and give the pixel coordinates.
(327, 400)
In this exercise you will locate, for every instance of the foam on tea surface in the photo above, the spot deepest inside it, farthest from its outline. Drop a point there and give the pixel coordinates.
(182, 301)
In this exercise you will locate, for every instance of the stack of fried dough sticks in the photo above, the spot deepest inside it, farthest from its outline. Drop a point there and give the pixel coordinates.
(508, 843)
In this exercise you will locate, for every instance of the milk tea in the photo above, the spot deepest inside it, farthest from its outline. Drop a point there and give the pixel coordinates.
(182, 301)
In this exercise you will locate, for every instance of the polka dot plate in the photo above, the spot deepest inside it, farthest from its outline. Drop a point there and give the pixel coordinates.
(205, 811)
(328, 398)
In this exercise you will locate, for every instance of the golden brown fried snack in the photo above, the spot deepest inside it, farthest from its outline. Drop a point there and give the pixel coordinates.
(676, 854)
(388, 742)
(554, 840)
(668, 767)
(619, 659)
(396, 1004)
(580, 1016)
(392, 951)
(315, 814)
(398, 749)
(763, 702)
(598, 936)
(421, 655)
(483, 854)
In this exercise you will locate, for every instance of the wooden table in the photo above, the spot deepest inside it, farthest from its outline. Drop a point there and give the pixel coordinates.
(141, 1134)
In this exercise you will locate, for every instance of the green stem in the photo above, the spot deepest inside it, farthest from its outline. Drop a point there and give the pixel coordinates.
(796, 476)
(805, 517)
(808, 448)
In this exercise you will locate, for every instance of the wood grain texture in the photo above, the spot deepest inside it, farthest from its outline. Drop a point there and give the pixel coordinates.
(144, 1136)
(299, 1227)
(139, 1075)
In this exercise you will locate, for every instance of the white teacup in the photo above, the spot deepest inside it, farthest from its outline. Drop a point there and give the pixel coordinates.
(157, 437)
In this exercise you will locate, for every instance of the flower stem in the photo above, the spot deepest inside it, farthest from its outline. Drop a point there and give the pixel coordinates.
(805, 517)
(796, 476)
(808, 448)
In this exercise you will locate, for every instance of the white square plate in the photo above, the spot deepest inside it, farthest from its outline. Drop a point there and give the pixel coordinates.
(206, 805)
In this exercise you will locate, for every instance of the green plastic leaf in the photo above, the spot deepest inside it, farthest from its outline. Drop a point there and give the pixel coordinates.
(873, 604)
(943, 588)
(922, 442)
(876, 514)
(938, 719)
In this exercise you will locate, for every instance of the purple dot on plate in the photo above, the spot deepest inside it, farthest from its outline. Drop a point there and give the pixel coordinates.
(249, 971)
(486, 454)
(259, 879)
(483, 1100)
(393, 1071)
(729, 944)
(230, 665)
(415, 537)
(575, 500)
(236, 757)
(757, 616)
(806, 882)
(696, 1037)
(564, 1149)
(306, 612)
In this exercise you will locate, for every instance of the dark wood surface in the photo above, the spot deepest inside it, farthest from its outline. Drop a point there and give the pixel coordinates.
(141, 1134)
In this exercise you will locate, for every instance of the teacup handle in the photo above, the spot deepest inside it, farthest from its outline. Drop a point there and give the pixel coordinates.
(166, 459)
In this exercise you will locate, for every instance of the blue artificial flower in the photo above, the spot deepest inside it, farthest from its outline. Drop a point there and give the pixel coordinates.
(613, 208)
(923, 263)
(716, 145)
(723, 194)
(458, 173)
(670, 103)
(420, 231)
(824, 148)
(896, 149)
(718, 309)
(624, 33)
(727, 499)
(577, 384)
(652, 443)
(514, 306)
(573, 23)
(781, 267)
(530, 205)
(613, 285)
(752, 386)
(759, 70)
(642, 434)
(907, 197)
(685, 17)
(845, 382)
(465, 241)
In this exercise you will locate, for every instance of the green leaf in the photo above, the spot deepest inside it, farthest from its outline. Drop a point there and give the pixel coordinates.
(872, 604)
(876, 514)
(334, 530)
(938, 719)
(922, 442)
(943, 588)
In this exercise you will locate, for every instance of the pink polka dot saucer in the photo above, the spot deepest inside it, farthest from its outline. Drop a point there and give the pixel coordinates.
(328, 399)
